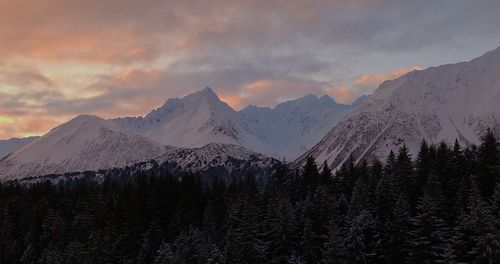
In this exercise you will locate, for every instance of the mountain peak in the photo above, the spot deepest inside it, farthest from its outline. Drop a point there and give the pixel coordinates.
(207, 92)
(438, 104)
(360, 100)
(207, 89)
(85, 117)
(327, 99)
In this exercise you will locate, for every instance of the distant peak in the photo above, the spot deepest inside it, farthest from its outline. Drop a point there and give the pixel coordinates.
(360, 100)
(207, 92)
(310, 96)
(327, 99)
(86, 117)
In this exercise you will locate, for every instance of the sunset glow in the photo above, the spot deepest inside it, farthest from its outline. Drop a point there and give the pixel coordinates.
(116, 58)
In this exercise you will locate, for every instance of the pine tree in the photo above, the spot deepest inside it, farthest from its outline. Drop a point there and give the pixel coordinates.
(326, 175)
(346, 177)
(476, 238)
(393, 241)
(390, 163)
(495, 201)
(151, 242)
(334, 249)
(281, 230)
(488, 164)
(404, 172)
(385, 197)
(422, 167)
(430, 234)
(310, 174)
(361, 238)
(189, 247)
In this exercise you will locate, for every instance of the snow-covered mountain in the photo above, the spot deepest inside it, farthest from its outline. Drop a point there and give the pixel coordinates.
(192, 121)
(213, 160)
(201, 118)
(293, 127)
(215, 155)
(222, 160)
(191, 124)
(84, 143)
(10, 145)
(456, 101)
(88, 144)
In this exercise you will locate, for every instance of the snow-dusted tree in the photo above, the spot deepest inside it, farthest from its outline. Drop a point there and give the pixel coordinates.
(334, 250)
(281, 230)
(488, 164)
(477, 237)
(190, 247)
(430, 234)
(151, 242)
(360, 238)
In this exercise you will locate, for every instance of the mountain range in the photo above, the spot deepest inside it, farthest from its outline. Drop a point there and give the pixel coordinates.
(456, 101)
(199, 132)
(193, 124)
(285, 131)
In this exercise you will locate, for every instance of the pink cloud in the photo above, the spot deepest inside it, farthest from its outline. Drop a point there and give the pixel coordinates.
(372, 81)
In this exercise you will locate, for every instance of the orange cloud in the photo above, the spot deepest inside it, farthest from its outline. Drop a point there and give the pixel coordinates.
(23, 126)
(269, 92)
(259, 85)
(240, 98)
(137, 78)
(372, 81)
(341, 94)
(233, 100)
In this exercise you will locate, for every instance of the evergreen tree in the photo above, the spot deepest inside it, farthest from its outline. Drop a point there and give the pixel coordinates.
(404, 174)
(488, 164)
(477, 236)
(393, 245)
(334, 250)
(433, 210)
(310, 175)
(360, 239)
(281, 230)
(151, 242)
(326, 175)
(430, 234)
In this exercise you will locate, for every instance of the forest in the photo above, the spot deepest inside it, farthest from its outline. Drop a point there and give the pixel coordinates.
(441, 206)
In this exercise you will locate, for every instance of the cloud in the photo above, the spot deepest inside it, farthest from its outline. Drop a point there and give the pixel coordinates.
(125, 57)
(129, 31)
(368, 82)
(24, 77)
(341, 94)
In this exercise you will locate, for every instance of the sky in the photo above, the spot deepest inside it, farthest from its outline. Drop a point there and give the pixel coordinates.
(62, 58)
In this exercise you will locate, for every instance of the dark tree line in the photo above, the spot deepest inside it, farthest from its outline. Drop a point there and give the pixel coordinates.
(443, 206)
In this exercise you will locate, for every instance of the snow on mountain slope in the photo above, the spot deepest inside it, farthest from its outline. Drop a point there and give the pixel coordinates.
(84, 143)
(223, 160)
(201, 118)
(193, 121)
(293, 127)
(89, 143)
(10, 145)
(456, 101)
(213, 160)
(213, 154)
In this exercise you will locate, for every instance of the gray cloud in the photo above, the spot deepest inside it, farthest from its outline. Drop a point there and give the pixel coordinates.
(163, 48)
